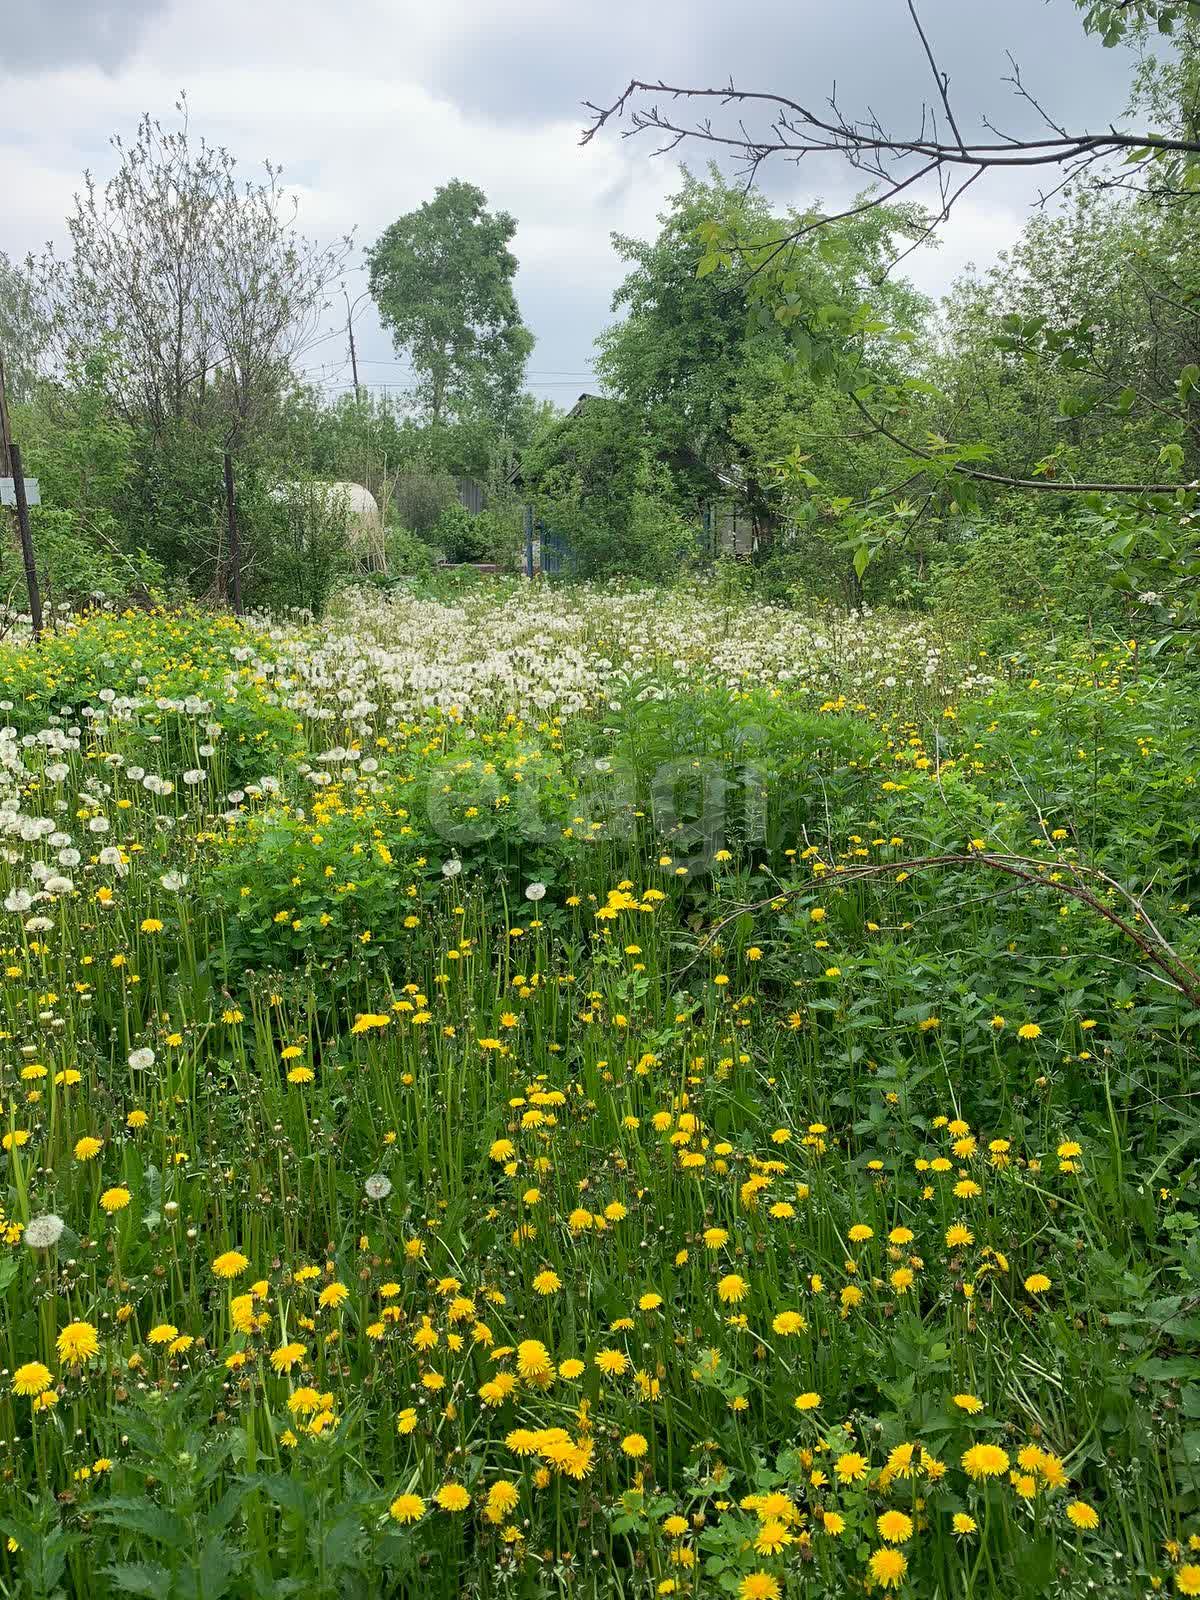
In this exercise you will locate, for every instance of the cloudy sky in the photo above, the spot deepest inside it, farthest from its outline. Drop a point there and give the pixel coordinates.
(370, 104)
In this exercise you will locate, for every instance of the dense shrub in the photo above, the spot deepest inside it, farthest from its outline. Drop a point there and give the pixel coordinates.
(297, 544)
(77, 564)
(1015, 569)
(462, 537)
(419, 498)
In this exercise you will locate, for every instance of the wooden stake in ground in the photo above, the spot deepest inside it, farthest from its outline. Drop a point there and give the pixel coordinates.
(31, 578)
(12, 467)
(6, 470)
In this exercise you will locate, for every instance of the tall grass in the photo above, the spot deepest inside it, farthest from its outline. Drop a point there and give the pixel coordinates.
(509, 1153)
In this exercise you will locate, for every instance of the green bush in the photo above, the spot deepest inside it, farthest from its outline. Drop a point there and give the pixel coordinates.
(463, 537)
(641, 533)
(420, 497)
(405, 554)
(1015, 570)
(85, 461)
(76, 565)
(501, 529)
(295, 539)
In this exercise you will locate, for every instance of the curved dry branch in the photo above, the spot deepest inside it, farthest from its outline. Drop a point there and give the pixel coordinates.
(796, 131)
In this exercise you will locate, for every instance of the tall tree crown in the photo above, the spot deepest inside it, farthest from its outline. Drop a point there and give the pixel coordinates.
(442, 277)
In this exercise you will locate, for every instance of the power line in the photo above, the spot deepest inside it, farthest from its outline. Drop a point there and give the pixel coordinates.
(535, 372)
(558, 383)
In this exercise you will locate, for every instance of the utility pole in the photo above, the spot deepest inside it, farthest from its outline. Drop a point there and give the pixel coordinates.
(11, 466)
(353, 352)
(350, 310)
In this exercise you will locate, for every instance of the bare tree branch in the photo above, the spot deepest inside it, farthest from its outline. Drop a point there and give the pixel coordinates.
(939, 77)
(793, 131)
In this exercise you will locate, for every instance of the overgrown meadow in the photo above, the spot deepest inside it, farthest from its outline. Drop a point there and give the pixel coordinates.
(498, 1099)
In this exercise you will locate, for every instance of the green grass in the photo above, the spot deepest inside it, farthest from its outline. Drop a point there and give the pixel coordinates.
(568, 1200)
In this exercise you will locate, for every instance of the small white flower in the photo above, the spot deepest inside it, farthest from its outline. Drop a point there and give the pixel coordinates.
(19, 900)
(378, 1186)
(174, 881)
(43, 1233)
(535, 892)
(141, 1059)
(451, 867)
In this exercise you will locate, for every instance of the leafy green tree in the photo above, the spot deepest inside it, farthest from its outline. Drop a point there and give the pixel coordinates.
(807, 441)
(1114, 20)
(84, 457)
(442, 278)
(178, 313)
(593, 478)
(197, 283)
(23, 333)
(1080, 359)
(1063, 360)
(676, 357)
(694, 352)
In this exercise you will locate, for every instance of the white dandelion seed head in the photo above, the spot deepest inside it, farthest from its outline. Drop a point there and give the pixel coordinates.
(43, 1233)
(535, 892)
(378, 1186)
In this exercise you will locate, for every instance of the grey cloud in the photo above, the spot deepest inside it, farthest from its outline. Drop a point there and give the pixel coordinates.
(529, 64)
(41, 35)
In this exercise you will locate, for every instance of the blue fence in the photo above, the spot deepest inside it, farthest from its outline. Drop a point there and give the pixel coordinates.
(720, 532)
(546, 551)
